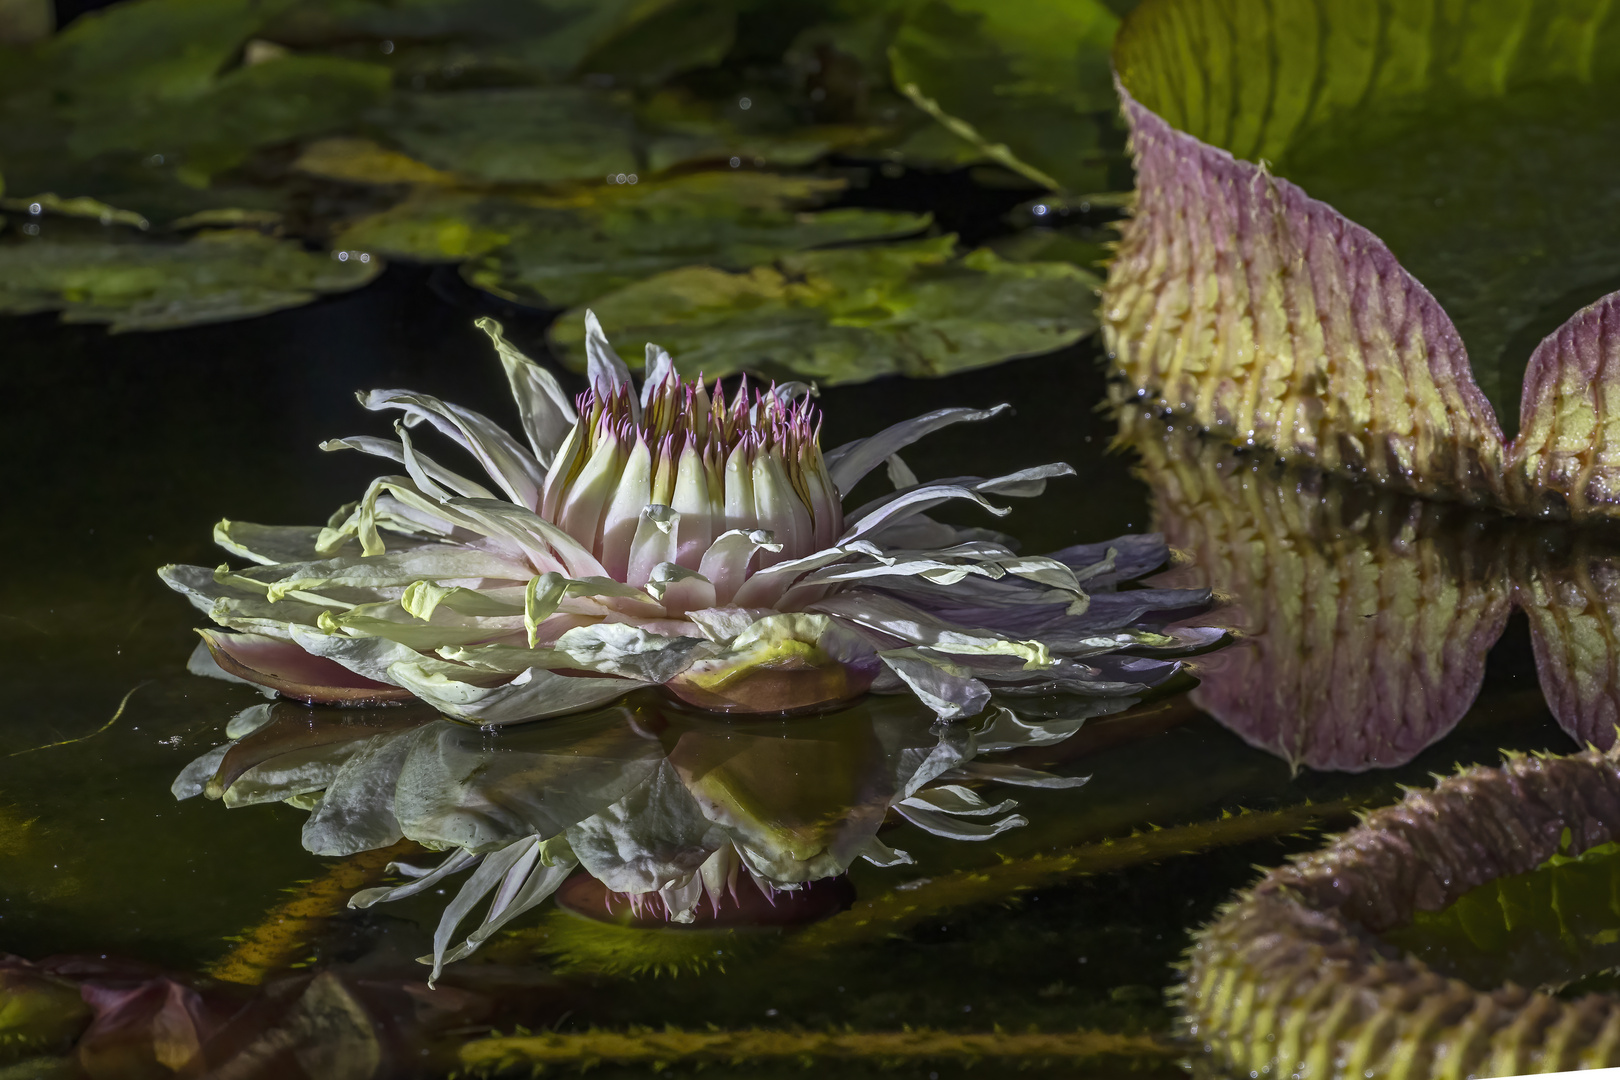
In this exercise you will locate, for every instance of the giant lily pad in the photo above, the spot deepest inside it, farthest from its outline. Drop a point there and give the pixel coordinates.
(140, 285)
(1030, 76)
(1476, 141)
(847, 315)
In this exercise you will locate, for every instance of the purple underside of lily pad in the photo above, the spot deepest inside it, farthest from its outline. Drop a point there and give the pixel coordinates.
(1269, 319)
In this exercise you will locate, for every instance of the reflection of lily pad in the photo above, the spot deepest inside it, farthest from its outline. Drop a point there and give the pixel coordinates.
(847, 315)
(567, 248)
(525, 134)
(1028, 74)
(137, 285)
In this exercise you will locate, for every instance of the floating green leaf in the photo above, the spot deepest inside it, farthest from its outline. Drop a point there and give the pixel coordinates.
(727, 220)
(567, 247)
(520, 134)
(520, 40)
(1028, 78)
(848, 315)
(140, 285)
(275, 101)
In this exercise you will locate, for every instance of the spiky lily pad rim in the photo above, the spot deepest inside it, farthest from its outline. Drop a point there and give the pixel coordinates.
(1290, 978)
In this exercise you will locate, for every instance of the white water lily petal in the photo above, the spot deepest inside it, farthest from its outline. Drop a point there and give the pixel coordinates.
(954, 828)
(297, 772)
(194, 777)
(483, 880)
(422, 598)
(654, 837)
(512, 467)
(533, 694)
(548, 547)
(455, 862)
(680, 589)
(367, 656)
(898, 506)
(622, 516)
(548, 592)
(544, 409)
(726, 562)
(722, 624)
(630, 651)
(947, 688)
(249, 720)
(202, 662)
(878, 853)
(536, 887)
(428, 475)
(659, 367)
(776, 500)
(608, 375)
(1013, 774)
(397, 569)
(915, 501)
(222, 600)
(357, 812)
(898, 619)
(656, 541)
(849, 463)
(900, 474)
(958, 800)
(267, 544)
(390, 621)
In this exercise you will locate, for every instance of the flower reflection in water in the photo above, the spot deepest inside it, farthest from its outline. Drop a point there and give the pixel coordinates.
(671, 813)
(672, 535)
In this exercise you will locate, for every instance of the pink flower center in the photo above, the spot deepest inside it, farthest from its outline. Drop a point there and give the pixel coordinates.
(752, 463)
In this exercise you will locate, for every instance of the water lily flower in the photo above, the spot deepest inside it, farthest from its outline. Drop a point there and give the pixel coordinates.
(670, 535)
(670, 813)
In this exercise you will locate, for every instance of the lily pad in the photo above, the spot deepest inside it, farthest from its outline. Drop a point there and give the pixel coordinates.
(281, 99)
(1030, 77)
(568, 247)
(519, 40)
(1479, 142)
(136, 284)
(521, 134)
(1546, 927)
(729, 221)
(848, 315)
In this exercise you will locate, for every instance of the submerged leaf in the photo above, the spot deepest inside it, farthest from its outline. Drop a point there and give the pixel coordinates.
(848, 315)
(139, 285)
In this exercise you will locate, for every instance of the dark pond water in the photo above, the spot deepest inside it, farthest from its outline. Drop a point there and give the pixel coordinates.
(1371, 622)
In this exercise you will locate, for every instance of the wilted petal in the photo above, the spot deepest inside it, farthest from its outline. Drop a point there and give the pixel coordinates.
(532, 695)
(847, 464)
(545, 411)
(949, 689)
